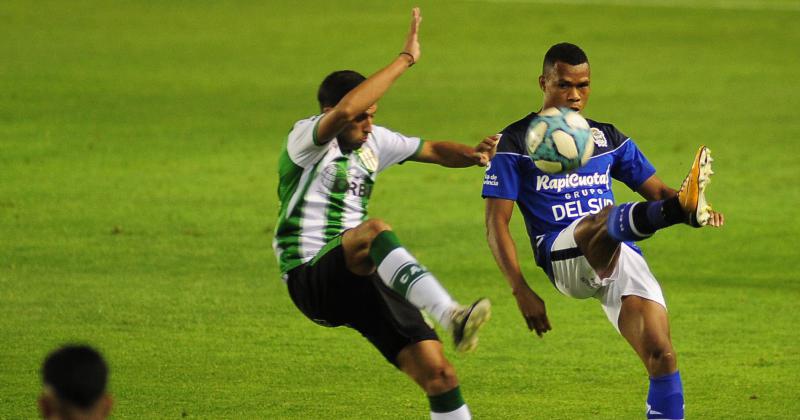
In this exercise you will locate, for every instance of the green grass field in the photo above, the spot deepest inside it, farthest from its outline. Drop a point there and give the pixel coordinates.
(138, 148)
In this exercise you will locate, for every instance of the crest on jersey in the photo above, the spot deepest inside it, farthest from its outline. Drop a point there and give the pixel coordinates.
(599, 138)
(367, 158)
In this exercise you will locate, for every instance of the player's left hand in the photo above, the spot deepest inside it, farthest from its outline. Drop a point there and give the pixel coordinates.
(412, 40)
(715, 219)
(486, 149)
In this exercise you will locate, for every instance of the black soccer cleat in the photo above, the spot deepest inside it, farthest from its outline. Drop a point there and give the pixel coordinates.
(466, 321)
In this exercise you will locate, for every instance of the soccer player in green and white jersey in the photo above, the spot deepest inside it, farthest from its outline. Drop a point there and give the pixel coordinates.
(343, 269)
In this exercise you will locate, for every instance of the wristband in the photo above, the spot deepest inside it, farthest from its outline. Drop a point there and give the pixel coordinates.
(409, 56)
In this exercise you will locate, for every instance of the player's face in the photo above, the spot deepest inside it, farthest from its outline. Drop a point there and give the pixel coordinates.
(566, 85)
(355, 134)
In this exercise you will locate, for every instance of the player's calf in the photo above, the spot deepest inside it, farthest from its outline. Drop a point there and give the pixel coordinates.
(425, 363)
(399, 270)
(434, 375)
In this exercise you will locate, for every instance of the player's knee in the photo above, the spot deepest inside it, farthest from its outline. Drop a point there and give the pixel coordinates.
(439, 378)
(592, 228)
(661, 358)
(596, 220)
(373, 227)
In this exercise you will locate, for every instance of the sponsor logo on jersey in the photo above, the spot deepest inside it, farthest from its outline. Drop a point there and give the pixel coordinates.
(559, 183)
(575, 209)
(599, 138)
(490, 180)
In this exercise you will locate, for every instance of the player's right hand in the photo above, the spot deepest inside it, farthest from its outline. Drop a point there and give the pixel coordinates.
(532, 308)
(412, 41)
(486, 149)
(716, 219)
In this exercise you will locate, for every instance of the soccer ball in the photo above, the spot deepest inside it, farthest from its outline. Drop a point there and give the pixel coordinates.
(559, 140)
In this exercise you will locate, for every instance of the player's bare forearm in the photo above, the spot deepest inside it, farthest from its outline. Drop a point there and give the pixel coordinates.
(457, 155)
(498, 236)
(654, 189)
(532, 307)
(446, 153)
(359, 99)
(369, 91)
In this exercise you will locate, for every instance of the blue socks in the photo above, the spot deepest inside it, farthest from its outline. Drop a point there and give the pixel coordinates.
(621, 226)
(638, 221)
(665, 399)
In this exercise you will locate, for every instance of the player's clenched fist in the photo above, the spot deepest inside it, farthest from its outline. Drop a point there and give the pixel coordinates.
(486, 149)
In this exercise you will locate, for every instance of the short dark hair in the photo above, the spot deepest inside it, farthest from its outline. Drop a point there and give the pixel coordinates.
(566, 53)
(77, 374)
(336, 85)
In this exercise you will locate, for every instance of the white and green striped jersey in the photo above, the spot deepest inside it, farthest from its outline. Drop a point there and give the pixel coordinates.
(323, 191)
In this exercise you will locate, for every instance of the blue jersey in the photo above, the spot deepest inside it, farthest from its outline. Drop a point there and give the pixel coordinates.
(549, 202)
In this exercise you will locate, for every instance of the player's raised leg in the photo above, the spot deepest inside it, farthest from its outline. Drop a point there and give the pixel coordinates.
(637, 221)
(373, 245)
(598, 236)
(645, 326)
(425, 363)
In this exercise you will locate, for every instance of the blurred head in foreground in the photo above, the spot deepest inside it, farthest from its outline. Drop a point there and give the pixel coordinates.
(74, 379)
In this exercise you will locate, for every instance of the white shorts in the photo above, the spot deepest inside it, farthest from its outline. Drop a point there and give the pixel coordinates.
(573, 276)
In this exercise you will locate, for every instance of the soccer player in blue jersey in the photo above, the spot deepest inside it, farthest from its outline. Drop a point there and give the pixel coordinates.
(581, 239)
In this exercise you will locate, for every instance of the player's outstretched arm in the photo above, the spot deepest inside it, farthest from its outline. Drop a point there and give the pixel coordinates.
(498, 216)
(457, 155)
(368, 92)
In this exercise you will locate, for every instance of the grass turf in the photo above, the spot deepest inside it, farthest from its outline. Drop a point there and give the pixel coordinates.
(138, 146)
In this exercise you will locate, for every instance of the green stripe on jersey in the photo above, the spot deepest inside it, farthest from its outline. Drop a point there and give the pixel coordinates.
(416, 152)
(287, 233)
(314, 132)
(289, 175)
(369, 184)
(334, 214)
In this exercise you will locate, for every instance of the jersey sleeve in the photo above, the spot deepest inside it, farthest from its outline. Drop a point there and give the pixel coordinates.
(394, 147)
(631, 166)
(302, 144)
(502, 177)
